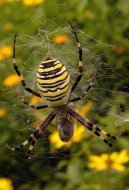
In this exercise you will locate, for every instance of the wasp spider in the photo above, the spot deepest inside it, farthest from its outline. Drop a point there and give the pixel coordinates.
(54, 84)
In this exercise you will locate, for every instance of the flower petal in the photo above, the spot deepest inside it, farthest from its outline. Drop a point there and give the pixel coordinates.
(3, 112)
(5, 184)
(11, 80)
(54, 139)
(60, 39)
(118, 167)
(122, 157)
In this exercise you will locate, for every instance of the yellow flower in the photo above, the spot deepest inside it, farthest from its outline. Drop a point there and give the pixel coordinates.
(5, 184)
(11, 80)
(60, 39)
(32, 2)
(35, 100)
(114, 161)
(78, 135)
(88, 14)
(118, 50)
(4, 1)
(8, 26)
(3, 112)
(86, 108)
(55, 140)
(5, 51)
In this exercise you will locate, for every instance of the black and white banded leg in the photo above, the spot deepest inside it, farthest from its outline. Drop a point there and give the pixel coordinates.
(80, 58)
(36, 134)
(84, 94)
(32, 105)
(89, 87)
(19, 74)
(91, 126)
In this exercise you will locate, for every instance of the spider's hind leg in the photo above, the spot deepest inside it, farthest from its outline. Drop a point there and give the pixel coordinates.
(36, 134)
(103, 135)
(31, 140)
(100, 133)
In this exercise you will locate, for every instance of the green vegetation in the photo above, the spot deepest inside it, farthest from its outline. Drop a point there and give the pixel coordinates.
(85, 163)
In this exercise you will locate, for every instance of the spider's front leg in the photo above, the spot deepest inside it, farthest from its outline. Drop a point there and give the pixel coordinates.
(79, 76)
(19, 73)
(36, 134)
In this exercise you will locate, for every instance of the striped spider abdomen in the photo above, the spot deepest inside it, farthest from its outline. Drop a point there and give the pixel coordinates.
(54, 82)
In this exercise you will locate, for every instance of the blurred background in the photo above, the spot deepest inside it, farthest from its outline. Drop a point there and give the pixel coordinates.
(86, 162)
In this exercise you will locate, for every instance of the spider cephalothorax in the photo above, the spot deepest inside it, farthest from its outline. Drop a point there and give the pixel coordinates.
(54, 84)
(65, 122)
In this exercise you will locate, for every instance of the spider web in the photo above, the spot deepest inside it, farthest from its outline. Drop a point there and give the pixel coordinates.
(110, 82)
(38, 47)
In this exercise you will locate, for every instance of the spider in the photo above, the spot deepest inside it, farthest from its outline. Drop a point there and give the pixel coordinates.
(55, 86)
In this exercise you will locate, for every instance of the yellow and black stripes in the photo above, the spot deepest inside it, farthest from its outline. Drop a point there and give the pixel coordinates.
(54, 82)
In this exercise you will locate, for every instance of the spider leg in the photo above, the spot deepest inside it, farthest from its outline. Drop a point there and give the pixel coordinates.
(32, 143)
(84, 93)
(80, 57)
(89, 87)
(32, 105)
(19, 74)
(91, 126)
(36, 134)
